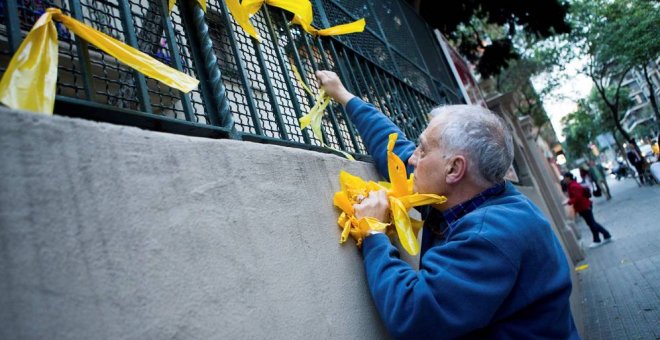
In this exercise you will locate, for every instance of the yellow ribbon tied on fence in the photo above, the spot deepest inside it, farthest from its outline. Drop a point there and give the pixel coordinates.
(29, 83)
(315, 115)
(303, 15)
(314, 118)
(401, 198)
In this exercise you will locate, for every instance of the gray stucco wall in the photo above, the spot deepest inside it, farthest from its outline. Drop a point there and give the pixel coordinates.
(118, 233)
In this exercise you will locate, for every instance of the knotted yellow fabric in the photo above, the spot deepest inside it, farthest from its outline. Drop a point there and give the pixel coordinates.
(29, 83)
(314, 117)
(401, 198)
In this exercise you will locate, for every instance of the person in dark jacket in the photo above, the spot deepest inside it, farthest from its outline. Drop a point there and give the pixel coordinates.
(490, 264)
(578, 197)
(637, 161)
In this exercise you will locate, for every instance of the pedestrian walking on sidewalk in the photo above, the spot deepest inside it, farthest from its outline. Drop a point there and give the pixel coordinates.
(578, 197)
(597, 174)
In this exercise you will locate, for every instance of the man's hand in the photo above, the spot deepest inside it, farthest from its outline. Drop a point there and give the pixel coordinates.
(333, 87)
(376, 205)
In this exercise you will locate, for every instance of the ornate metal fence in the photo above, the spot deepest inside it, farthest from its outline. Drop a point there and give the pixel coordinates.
(247, 89)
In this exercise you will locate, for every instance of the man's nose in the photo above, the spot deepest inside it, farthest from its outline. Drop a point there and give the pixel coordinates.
(413, 159)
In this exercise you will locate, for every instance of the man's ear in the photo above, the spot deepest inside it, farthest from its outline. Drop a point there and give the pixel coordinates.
(456, 169)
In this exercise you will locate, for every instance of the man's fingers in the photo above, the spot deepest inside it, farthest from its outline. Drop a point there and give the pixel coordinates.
(320, 76)
(324, 76)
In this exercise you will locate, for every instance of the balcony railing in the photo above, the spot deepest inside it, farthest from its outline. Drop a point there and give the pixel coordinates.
(247, 89)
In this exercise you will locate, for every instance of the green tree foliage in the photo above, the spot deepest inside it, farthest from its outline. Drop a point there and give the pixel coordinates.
(588, 21)
(590, 119)
(486, 32)
(628, 36)
(579, 131)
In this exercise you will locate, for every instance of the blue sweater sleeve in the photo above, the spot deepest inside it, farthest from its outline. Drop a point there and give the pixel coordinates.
(374, 128)
(457, 290)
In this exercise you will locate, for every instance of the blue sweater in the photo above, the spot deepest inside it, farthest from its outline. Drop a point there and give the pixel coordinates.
(499, 272)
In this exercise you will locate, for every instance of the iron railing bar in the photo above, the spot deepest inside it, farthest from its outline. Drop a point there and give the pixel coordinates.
(79, 108)
(333, 114)
(353, 78)
(13, 25)
(83, 53)
(297, 60)
(412, 114)
(398, 110)
(131, 39)
(405, 103)
(178, 64)
(342, 71)
(285, 73)
(191, 32)
(315, 67)
(275, 106)
(381, 96)
(208, 74)
(421, 113)
(247, 87)
(386, 94)
(405, 108)
(364, 79)
(318, 5)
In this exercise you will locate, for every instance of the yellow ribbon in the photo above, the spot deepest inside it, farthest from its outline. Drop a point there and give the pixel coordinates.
(401, 198)
(29, 83)
(303, 15)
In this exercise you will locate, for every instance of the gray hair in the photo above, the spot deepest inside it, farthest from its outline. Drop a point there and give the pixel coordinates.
(479, 135)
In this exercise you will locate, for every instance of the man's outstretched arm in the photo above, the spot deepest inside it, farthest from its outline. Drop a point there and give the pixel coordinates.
(373, 125)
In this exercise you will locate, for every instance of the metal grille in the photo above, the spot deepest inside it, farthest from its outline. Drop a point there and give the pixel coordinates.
(396, 30)
(247, 89)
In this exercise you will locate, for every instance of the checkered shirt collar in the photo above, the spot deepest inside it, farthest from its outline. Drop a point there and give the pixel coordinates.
(454, 213)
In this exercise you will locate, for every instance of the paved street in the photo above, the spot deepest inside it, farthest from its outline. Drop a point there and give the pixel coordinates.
(621, 287)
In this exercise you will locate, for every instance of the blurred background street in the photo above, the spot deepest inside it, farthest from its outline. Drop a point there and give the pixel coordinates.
(620, 288)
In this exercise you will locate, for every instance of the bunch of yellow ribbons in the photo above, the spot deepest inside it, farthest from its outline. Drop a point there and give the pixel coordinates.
(401, 199)
(29, 83)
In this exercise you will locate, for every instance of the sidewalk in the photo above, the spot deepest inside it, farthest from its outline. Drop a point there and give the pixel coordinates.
(621, 287)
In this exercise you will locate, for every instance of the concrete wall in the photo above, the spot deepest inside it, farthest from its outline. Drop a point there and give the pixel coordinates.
(111, 232)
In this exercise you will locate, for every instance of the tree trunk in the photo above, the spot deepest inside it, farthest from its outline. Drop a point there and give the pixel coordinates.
(654, 102)
(614, 107)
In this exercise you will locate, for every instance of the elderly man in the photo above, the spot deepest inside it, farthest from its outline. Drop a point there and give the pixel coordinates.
(490, 265)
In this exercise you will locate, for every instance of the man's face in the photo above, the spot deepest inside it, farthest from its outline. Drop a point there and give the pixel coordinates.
(430, 162)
